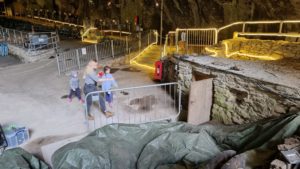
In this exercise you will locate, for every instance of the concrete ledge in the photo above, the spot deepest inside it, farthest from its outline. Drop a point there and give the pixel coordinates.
(27, 57)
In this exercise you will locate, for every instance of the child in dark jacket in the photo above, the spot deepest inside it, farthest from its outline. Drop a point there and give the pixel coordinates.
(74, 87)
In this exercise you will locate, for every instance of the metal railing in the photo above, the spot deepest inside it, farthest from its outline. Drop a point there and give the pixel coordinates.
(139, 104)
(57, 21)
(276, 27)
(30, 41)
(77, 58)
(195, 40)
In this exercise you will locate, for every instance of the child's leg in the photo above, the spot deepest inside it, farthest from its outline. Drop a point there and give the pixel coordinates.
(70, 95)
(78, 95)
(109, 99)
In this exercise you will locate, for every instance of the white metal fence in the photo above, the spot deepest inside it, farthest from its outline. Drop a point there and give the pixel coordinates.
(278, 27)
(137, 105)
(193, 40)
(77, 58)
(30, 41)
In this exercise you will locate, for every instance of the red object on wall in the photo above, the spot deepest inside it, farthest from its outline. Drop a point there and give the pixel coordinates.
(136, 20)
(158, 70)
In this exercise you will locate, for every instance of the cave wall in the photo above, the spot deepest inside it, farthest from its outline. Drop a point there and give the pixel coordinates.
(237, 99)
(263, 49)
(176, 13)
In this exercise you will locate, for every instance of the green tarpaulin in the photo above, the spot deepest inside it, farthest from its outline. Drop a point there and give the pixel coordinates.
(18, 158)
(163, 145)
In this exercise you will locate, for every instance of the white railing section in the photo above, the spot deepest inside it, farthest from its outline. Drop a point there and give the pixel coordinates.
(276, 27)
(136, 105)
(195, 40)
(77, 58)
(170, 46)
(57, 21)
(31, 42)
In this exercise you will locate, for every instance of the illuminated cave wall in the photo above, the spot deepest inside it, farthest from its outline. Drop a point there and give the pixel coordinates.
(177, 13)
(237, 99)
(255, 49)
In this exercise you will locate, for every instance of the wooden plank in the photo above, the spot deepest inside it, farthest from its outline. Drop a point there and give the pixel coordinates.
(200, 101)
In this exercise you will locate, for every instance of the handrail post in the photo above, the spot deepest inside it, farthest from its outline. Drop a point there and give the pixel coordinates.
(186, 46)
(126, 41)
(112, 48)
(280, 26)
(140, 41)
(216, 36)
(14, 36)
(78, 60)
(96, 53)
(244, 25)
(58, 65)
(148, 39)
(176, 40)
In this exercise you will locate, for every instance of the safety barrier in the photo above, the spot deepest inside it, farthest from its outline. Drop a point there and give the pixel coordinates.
(137, 104)
(278, 27)
(77, 58)
(193, 40)
(30, 41)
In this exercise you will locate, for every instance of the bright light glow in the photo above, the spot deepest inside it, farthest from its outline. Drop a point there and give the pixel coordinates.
(212, 51)
(144, 66)
(262, 57)
(55, 21)
(86, 32)
(228, 55)
(131, 60)
(115, 31)
(259, 22)
(270, 34)
(106, 31)
(197, 29)
(90, 41)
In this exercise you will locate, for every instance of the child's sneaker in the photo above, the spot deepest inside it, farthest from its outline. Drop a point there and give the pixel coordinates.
(91, 117)
(108, 114)
(69, 100)
(110, 105)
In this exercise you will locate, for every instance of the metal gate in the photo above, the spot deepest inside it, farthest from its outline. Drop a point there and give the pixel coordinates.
(139, 104)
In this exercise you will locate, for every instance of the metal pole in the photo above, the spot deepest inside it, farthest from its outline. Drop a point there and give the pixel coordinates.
(280, 27)
(161, 24)
(5, 8)
(58, 66)
(78, 60)
(126, 44)
(140, 41)
(112, 48)
(96, 52)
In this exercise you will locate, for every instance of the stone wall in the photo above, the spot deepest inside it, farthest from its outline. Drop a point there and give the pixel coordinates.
(239, 99)
(260, 49)
(28, 57)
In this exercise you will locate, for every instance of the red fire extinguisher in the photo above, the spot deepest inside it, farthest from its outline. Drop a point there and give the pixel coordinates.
(158, 70)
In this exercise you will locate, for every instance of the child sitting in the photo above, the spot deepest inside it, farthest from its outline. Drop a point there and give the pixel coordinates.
(74, 85)
(107, 85)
